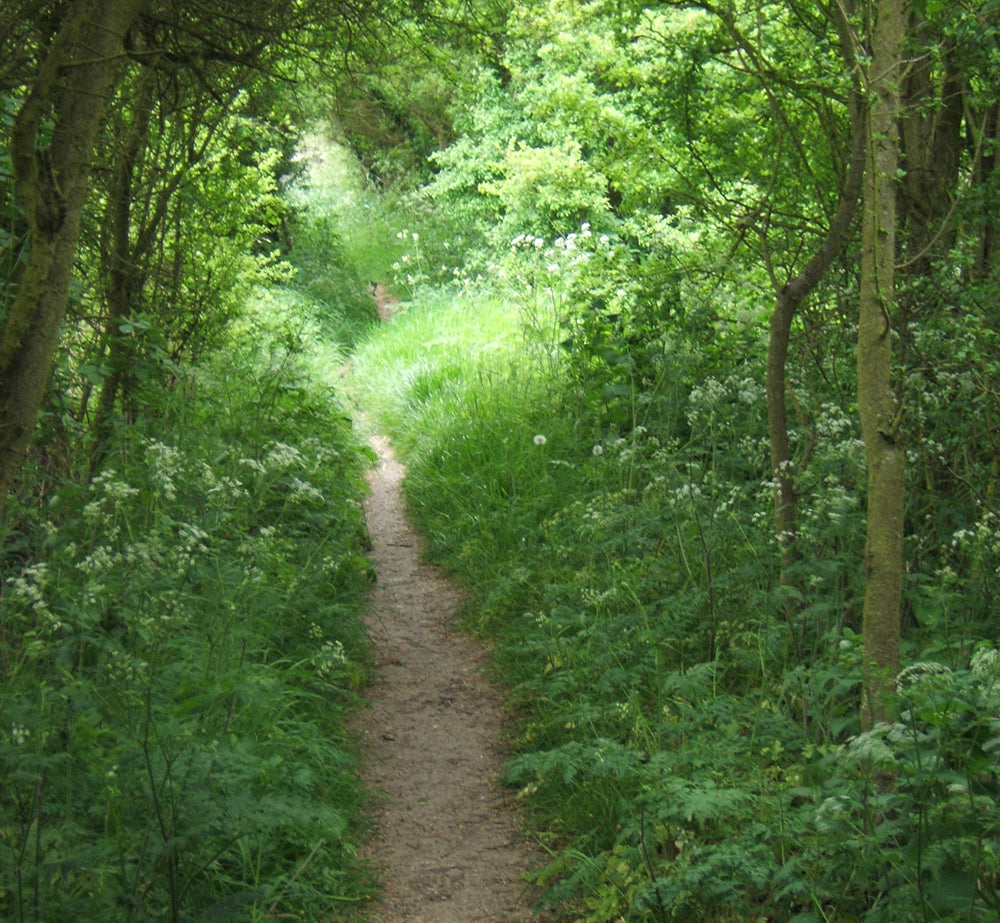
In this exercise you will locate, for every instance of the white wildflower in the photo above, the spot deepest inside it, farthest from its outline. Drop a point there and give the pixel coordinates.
(985, 665)
(304, 489)
(687, 492)
(917, 671)
(281, 455)
(830, 812)
(871, 748)
(166, 457)
(192, 537)
(228, 488)
(253, 465)
(329, 658)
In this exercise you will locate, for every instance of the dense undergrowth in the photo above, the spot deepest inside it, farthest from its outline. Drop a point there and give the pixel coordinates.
(582, 418)
(686, 741)
(613, 225)
(181, 642)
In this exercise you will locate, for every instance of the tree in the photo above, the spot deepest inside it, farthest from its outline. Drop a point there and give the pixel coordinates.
(880, 412)
(793, 290)
(52, 145)
(172, 165)
(809, 114)
(92, 54)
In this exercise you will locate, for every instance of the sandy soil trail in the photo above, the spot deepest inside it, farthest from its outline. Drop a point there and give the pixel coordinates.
(446, 837)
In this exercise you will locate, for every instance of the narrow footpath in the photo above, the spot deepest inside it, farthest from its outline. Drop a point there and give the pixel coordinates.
(446, 837)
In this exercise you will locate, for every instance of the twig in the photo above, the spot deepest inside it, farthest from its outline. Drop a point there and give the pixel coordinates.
(270, 915)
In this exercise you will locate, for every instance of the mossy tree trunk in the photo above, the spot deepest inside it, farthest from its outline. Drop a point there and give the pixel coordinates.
(52, 148)
(879, 409)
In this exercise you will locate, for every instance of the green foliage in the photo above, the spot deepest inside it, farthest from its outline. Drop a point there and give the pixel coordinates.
(685, 748)
(907, 812)
(339, 241)
(589, 559)
(402, 90)
(548, 191)
(168, 262)
(587, 449)
(636, 185)
(593, 205)
(181, 649)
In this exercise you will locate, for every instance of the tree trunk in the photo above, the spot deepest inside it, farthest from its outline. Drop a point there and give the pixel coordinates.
(125, 271)
(879, 411)
(787, 301)
(931, 146)
(988, 178)
(70, 93)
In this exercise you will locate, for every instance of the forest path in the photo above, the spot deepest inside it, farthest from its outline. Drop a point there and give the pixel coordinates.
(446, 836)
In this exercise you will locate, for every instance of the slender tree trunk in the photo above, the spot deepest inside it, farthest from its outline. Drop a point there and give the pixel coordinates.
(785, 495)
(880, 414)
(988, 176)
(787, 301)
(135, 234)
(125, 270)
(71, 92)
(931, 147)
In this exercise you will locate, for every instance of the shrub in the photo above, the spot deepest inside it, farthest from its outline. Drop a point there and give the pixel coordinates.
(180, 652)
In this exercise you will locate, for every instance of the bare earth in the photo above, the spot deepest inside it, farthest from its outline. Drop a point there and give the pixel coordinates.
(446, 836)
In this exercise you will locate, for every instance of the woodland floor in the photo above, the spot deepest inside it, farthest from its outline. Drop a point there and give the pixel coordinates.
(446, 835)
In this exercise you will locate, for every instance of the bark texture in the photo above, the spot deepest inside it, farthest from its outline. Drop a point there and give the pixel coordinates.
(879, 410)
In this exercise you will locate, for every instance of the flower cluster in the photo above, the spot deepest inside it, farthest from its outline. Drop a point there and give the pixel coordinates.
(165, 463)
(330, 659)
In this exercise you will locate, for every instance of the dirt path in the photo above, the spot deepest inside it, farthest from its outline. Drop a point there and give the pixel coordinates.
(446, 836)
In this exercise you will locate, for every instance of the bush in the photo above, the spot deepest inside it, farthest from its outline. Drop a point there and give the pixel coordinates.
(180, 653)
